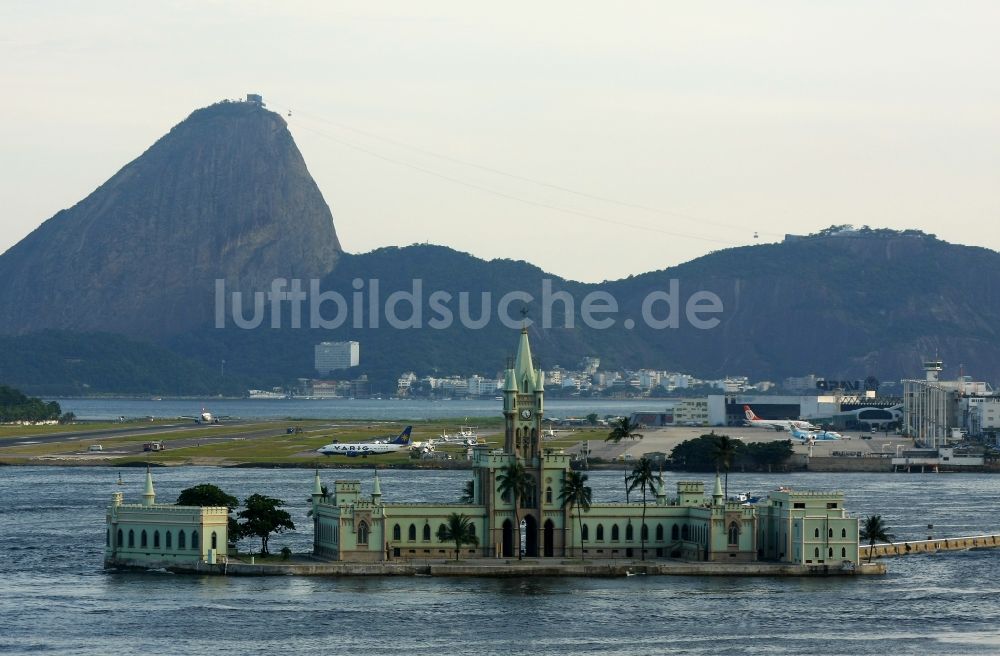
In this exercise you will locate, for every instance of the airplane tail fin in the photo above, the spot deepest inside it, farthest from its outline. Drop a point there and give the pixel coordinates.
(749, 413)
(404, 437)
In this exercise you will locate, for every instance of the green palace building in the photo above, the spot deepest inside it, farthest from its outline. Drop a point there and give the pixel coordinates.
(804, 528)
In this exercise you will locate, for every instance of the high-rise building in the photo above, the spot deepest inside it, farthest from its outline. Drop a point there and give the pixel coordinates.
(331, 356)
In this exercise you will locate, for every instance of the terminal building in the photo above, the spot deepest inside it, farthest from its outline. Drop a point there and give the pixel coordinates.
(938, 412)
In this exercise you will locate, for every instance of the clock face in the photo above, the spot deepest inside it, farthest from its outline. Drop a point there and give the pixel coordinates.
(526, 414)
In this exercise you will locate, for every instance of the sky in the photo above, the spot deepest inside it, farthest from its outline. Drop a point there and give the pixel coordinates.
(596, 140)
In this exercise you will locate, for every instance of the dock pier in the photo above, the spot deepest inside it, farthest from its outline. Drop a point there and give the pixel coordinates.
(912, 547)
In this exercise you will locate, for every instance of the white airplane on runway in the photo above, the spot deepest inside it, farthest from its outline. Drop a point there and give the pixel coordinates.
(777, 424)
(365, 449)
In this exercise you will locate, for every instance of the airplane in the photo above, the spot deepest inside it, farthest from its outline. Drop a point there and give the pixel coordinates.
(814, 436)
(776, 424)
(206, 417)
(365, 449)
(466, 435)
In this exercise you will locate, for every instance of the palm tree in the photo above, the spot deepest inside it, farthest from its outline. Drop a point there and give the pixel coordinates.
(724, 449)
(458, 529)
(623, 429)
(644, 478)
(873, 529)
(516, 483)
(468, 492)
(576, 492)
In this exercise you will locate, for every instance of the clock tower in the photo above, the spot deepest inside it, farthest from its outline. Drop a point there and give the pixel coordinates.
(522, 406)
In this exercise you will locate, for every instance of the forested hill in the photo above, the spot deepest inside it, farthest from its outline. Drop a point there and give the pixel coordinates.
(15, 406)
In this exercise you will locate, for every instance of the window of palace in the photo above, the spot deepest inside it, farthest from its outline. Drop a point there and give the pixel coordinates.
(412, 536)
(427, 532)
(600, 532)
(131, 538)
(397, 533)
(614, 532)
(362, 533)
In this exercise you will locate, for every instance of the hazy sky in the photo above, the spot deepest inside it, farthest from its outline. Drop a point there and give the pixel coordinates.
(704, 122)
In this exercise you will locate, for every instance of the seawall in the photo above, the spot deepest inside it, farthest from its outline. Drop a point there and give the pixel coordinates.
(488, 568)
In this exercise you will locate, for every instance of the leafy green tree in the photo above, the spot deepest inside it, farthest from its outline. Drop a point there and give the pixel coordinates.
(206, 494)
(623, 429)
(645, 479)
(458, 529)
(515, 483)
(592, 419)
(576, 493)
(468, 492)
(210, 495)
(724, 452)
(764, 455)
(263, 516)
(874, 530)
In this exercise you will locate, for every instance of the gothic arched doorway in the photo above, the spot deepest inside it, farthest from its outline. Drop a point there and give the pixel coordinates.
(507, 544)
(530, 536)
(548, 539)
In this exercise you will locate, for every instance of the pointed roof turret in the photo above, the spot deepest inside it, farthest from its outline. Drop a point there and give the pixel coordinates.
(717, 492)
(148, 494)
(510, 381)
(524, 371)
(376, 489)
(317, 486)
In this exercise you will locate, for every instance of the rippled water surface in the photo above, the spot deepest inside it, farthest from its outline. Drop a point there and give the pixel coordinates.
(55, 598)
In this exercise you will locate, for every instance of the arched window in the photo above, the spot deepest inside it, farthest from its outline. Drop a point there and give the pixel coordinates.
(816, 532)
(412, 537)
(816, 552)
(685, 532)
(194, 539)
(472, 528)
(121, 539)
(843, 552)
(170, 542)
(548, 494)
(600, 532)
(843, 532)
(659, 532)
(181, 540)
(734, 533)
(674, 532)
(143, 540)
(397, 534)
(628, 532)
(427, 532)
(831, 535)
(831, 552)
(156, 539)
(584, 533)
(215, 540)
(362, 533)
(614, 532)
(441, 529)
(131, 538)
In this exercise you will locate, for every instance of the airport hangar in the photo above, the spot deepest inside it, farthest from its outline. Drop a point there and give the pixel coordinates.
(839, 411)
